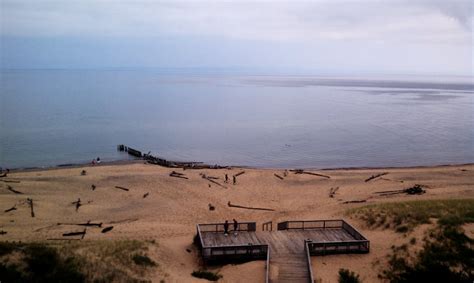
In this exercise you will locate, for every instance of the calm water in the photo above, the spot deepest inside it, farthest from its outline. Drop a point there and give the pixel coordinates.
(56, 117)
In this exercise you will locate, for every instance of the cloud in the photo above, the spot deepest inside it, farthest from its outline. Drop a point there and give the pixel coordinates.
(306, 21)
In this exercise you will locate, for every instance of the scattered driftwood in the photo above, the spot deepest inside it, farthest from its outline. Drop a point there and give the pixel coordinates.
(13, 190)
(30, 203)
(248, 207)
(107, 229)
(415, 190)
(11, 209)
(178, 175)
(301, 171)
(278, 176)
(355, 201)
(211, 207)
(122, 188)
(333, 191)
(145, 195)
(240, 173)
(3, 175)
(71, 234)
(375, 176)
(2, 232)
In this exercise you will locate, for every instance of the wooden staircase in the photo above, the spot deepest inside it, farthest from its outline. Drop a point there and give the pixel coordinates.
(288, 267)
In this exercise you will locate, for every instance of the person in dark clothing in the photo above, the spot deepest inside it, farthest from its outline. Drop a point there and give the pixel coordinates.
(236, 226)
(226, 178)
(226, 228)
(234, 179)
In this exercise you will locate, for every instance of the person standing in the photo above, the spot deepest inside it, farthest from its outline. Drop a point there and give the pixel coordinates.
(226, 228)
(236, 227)
(234, 179)
(226, 178)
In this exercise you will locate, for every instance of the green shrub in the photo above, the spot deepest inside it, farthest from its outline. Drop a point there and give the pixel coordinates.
(447, 256)
(347, 276)
(204, 274)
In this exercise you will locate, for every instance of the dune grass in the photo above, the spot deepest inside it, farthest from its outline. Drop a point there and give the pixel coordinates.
(80, 261)
(447, 253)
(404, 216)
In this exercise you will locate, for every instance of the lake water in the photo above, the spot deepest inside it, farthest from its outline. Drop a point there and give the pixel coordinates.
(51, 117)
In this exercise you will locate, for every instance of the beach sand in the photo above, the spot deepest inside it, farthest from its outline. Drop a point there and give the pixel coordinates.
(174, 206)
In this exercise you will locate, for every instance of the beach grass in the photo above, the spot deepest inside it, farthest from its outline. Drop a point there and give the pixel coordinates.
(404, 216)
(78, 261)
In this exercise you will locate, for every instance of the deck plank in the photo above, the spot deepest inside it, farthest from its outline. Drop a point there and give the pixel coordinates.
(286, 246)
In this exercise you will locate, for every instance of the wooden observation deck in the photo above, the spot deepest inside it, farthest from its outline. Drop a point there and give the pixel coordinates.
(287, 251)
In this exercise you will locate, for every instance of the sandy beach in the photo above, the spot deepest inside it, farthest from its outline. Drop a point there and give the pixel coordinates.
(166, 209)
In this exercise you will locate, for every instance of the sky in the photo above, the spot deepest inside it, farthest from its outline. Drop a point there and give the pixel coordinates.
(326, 36)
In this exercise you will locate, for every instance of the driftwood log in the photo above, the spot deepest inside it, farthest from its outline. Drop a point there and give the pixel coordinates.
(415, 190)
(333, 191)
(214, 182)
(240, 173)
(178, 175)
(87, 224)
(30, 202)
(13, 190)
(11, 209)
(77, 204)
(122, 188)
(278, 176)
(71, 234)
(301, 171)
(248, 207)
(107, 229)
(11, 181)
(375, 176)
(355, 201)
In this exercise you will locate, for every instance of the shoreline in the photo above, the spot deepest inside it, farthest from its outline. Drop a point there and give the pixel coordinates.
(139, 161)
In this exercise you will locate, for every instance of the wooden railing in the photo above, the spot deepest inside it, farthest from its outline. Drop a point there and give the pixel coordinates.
(323, 248)
(219, 227)
(267, 226)
(310, 224)
(233, 252)
(267, 267)
(308, 260)
(352, 231)
(359, 245)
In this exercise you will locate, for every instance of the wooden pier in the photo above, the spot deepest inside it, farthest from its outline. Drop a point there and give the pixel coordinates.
(288, 250)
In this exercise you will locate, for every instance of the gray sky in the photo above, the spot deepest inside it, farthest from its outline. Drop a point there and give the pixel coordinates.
(404, 36)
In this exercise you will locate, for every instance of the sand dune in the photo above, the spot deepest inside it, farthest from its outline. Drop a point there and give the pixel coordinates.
(174, 205)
